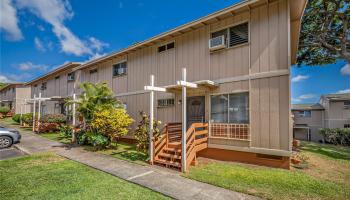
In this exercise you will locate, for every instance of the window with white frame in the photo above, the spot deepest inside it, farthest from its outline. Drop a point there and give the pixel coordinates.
(304, 113)
(234, 35)
(120, 69)
(166, 102)
(230, 108)
(71, 76)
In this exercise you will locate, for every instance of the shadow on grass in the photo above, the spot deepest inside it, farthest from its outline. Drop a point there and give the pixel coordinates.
(130, 155)
(331, 151)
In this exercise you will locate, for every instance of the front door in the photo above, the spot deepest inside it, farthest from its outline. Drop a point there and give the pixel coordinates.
(195, 109)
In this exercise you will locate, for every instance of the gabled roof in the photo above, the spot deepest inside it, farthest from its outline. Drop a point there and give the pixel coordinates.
(58, 70)
(296, 11)
(337, 97)
(315, 106)
(10, 85)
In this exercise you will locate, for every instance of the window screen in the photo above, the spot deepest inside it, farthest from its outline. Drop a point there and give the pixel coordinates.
(239, 108)
(238, 34)
(219, 111)
(120, 69)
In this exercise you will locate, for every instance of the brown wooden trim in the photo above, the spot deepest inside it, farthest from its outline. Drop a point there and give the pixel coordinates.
(244, 157)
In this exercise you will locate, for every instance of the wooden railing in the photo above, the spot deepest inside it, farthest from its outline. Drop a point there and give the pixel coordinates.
(170, 133)
(230, 131)
(197, 140)
(167, 148)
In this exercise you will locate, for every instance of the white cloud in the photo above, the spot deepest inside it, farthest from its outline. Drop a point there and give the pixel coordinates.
(9, 21)
(295, 100)
(22, 77)
(299, 78)
(55, 12)
(303, 97)
(97, 44)
(343, 91)
(345, 70)
(5, 79)
(307, 96)
(39, 45)
(27, 66)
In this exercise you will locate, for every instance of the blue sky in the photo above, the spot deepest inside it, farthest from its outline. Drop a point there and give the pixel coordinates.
(39, 35)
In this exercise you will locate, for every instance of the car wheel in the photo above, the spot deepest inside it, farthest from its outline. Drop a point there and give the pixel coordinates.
(5, 142)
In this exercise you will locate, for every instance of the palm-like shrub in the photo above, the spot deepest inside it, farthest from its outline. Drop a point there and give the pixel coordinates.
(142, 132)
(102, 114)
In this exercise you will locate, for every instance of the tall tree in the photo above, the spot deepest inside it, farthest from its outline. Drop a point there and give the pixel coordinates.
(325, 32)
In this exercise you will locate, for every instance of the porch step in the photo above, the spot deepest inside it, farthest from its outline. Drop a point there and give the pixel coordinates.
(173, 150)
(175, 145)
(170, 156)
(168, 163)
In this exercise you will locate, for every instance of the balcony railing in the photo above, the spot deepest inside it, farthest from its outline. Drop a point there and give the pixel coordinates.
(229, 131)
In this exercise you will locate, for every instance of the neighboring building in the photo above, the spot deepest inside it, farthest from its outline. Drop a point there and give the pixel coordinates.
(337, 110)
(308, 119)
(56, 85)
(243, 78)
(332, 111)
(14, 95)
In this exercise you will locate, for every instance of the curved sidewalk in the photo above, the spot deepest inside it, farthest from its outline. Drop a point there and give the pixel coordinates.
(164, 181)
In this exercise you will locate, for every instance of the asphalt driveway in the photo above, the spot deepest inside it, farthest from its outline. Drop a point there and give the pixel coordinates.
(10, 153)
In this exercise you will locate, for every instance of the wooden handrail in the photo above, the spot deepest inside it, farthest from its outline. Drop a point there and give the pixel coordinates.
(195, 140)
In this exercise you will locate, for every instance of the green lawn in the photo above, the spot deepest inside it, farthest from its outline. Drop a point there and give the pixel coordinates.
(328, 176)
(48, 176)
(56, 137)
(123, 151)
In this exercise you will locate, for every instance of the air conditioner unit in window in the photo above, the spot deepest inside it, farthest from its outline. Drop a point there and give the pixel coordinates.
(217, 43)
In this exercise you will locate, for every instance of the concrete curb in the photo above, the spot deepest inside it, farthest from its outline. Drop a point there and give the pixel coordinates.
(26, 151)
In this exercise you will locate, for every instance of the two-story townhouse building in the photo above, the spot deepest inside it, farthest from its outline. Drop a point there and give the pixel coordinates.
(14, 96)
(337, 110)
(308, 119)
(332, 111)
(239, 57)
(55, 87)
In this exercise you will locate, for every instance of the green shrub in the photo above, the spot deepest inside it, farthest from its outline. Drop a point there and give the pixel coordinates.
(53, 118)
(142, 132)
(97, 140)
(4, 110)
(336, 135)
(16, 118)
(112, 123)
(27, 118)
(66, 131)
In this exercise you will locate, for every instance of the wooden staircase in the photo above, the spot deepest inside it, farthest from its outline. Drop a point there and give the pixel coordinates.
(168, 148)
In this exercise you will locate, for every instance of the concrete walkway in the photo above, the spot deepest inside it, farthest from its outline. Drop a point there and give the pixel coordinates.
(167, 182)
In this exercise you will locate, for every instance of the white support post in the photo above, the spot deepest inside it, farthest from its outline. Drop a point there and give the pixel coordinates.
(21, 110)
(39, 111)
(151, 117)
(184, 122)
(152, 89)
(73, 110)
(34, 105)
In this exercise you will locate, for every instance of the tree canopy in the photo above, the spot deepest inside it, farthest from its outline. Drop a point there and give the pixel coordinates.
(325, 32)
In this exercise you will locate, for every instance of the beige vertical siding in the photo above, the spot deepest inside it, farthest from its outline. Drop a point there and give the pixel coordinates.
(266, 51)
